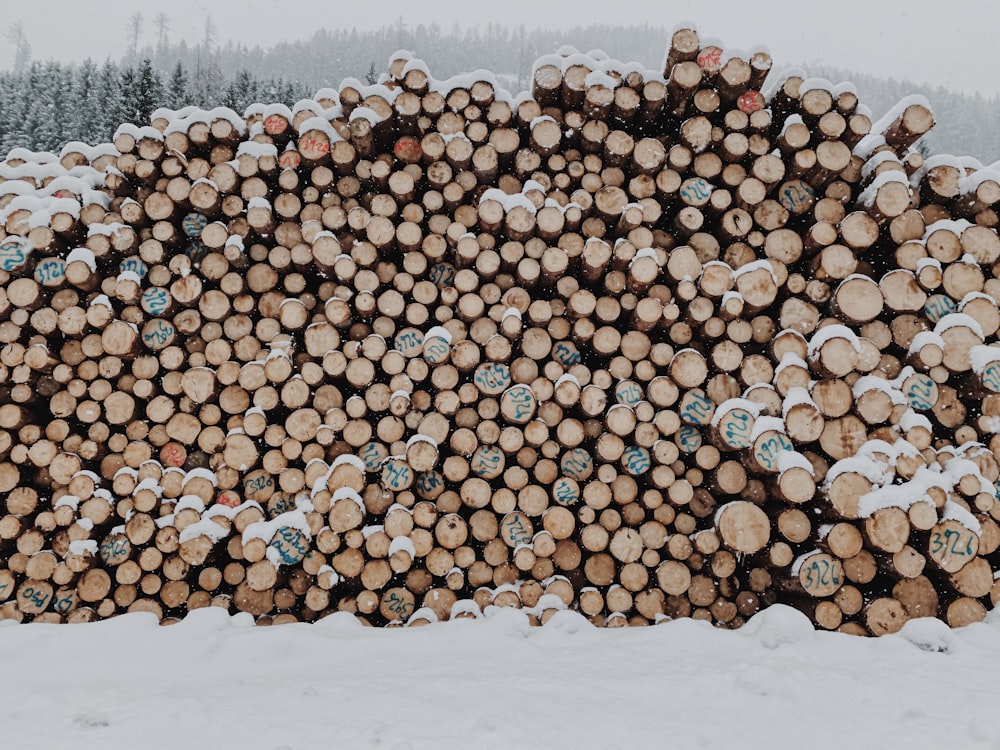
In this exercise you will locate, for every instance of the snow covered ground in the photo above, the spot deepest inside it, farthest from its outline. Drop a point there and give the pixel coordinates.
(215, 681)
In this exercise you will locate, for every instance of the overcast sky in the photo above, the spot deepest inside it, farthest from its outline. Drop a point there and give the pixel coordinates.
(941, 42)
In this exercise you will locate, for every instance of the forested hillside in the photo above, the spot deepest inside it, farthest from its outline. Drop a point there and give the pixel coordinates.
(49, 104)
(43, 105)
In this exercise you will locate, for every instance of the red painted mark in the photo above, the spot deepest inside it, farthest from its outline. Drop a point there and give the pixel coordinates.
(408, 149)
(289, 159)
(173, 454)
(228, 498)
(313, 147)
(275, 124)
(751, 101)
(710, 58)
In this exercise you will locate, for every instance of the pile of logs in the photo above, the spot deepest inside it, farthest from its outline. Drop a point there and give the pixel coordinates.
(645, 344)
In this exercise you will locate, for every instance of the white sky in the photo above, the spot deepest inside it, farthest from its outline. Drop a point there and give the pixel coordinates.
(941, 42)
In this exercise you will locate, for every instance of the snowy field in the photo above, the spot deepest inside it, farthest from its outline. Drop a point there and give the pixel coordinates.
(215, 681)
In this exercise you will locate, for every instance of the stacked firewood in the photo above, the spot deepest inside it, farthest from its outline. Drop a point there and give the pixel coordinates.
(646, 345)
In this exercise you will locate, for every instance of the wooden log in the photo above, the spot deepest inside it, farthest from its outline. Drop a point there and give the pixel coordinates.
(743, 527)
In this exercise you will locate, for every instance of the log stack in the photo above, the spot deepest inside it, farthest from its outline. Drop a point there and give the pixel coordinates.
(646, 344)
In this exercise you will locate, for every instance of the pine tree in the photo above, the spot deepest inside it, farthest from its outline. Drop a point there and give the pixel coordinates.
(125, 109)
(85, 105)
(50, 107)
(148, 92)
(109, 95)
(12, 112)
(177, 95)
(208, 84)
(32, 123)
(241, 92)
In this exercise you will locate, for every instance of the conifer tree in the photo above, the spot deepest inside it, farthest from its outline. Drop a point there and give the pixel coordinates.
(241, 92)
(109, 95)
(148, 92)
(85, 105)
(177, 94)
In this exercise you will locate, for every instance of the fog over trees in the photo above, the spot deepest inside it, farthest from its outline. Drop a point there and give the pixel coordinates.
(46, 104)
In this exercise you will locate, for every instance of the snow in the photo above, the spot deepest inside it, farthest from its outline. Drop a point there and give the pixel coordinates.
(348, 459)
(83, 547)
(257, 150)
(790, 359)
(815, 84)
(181, 124)
(192, 502)
(867, 198)
(363, 113)
(40, 157)
(467, 80)
(206, 181)
(438, 332)
(951, 225)
(925, 262)
(91, 152)
(897, 111)
(413, 64)
(982, 356)
(868, 144)
(570, 378)
(763, 424)
(376, 89)
(942, 160)
(17, 187)
(956, 320)
(874, 471)
(511, 312)
(230, 512)
(205, 527)
(734, 403)
(598, 78)
(878, 160)
(418, 438)
(202, 474)
(145, 132)
(294, 519)
(540, 119)
(796, 396)
(868, 383)
(95, 230)
(402, 544)
(905, 494)
(346, 493)
(973, 181)
(972, 296)
(912, 419)
(306, 105)
(834, 331)
(756, 265)
(952, 511)
(794, 460)
(509, 202)
(925, 338)
(643, 252)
